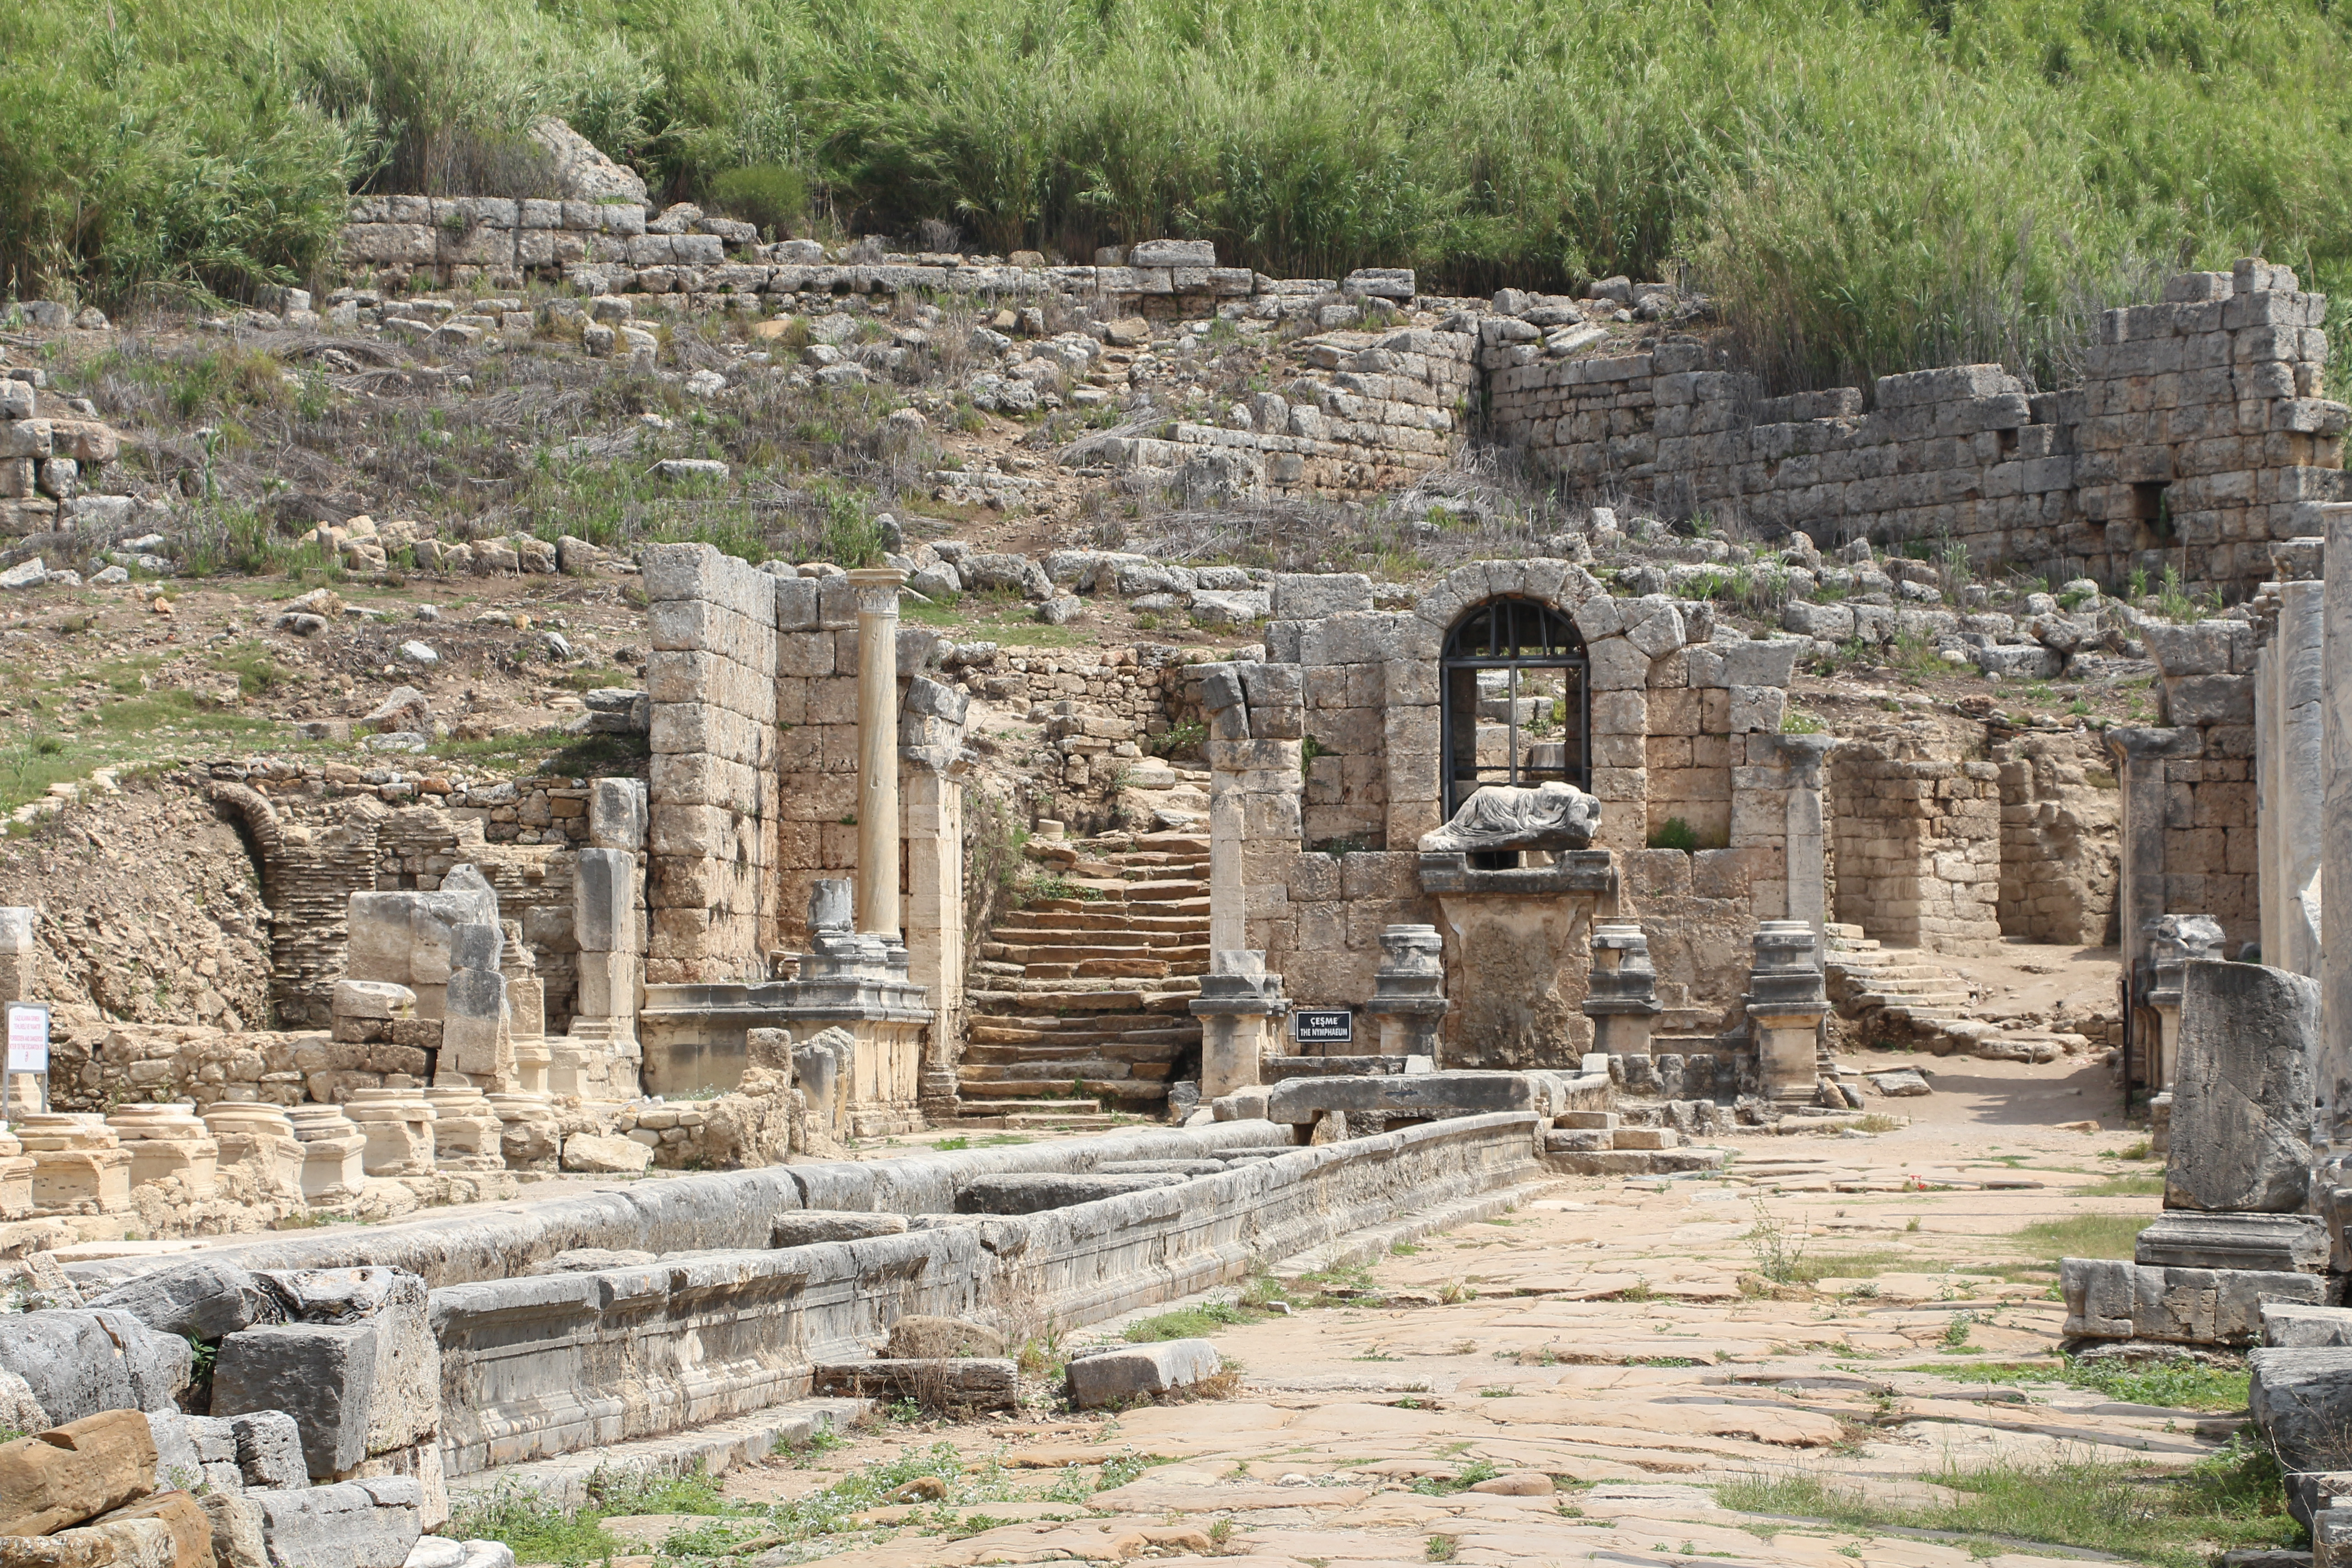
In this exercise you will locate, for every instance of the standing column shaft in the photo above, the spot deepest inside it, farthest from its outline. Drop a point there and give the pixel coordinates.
(877, 748)
(2336, 825)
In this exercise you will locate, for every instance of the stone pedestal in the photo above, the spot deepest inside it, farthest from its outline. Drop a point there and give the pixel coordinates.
(1786, 1005)
(333, 1168)
(1623, 1000)
(16, 1178)
(535, 1064)
(251, 1133)
(167, 1141)
(467, 1131)
(857, 982)
(1408, 1001)
(78, 1164)
(2172, 942)
(529, 1136)
(1238, 1002)
(1516, 963)
(398, 1125)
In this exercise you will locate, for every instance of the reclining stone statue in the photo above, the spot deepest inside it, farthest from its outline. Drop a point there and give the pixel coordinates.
(1552, 816)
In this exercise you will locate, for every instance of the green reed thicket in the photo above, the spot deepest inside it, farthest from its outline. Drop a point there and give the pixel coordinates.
(1865, 185)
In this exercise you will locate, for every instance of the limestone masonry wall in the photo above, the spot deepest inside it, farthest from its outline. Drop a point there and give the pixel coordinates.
(2197, 437)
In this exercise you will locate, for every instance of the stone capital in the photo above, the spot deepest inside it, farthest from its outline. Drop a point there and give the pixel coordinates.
(878, 589)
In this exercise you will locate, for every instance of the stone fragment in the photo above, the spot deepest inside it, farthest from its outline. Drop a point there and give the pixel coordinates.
(969, 1384)
(60, 1477)
(406, 1399)
(269, 1449)
(1516, 1483)
(2241, 1097)
(594, 1260)
(2188, 1238)
(1901, 1084)
(322, 1374)
(78, 1363)
(178, 1511)
(591, 1153)
(806, 1227)
(2306, 1328)
(352, 1525)
(1119, 1376)
(237, 1540)
(198, 1300)
(2302, 1400)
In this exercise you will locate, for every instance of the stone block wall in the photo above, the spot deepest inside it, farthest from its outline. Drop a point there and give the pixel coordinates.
(1918, 843)
(714, 789)
(502, 238)
(52, 451)
(1315, 847)
(2060, 808)
(2196, 439)
(2210, 857)
(815, 678)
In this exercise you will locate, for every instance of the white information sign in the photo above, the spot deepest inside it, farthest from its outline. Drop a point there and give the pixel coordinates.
(28, 1036)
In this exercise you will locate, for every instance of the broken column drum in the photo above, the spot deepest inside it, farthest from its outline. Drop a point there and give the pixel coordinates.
(1786, 1005)
(1624, 998)
(1408, 991)
(1238, 1000)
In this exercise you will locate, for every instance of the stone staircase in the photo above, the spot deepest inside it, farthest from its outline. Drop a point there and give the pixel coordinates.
(1902, 997)
(1076, 1009)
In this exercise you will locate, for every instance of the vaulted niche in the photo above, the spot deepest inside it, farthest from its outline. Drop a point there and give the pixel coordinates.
(1514, 700)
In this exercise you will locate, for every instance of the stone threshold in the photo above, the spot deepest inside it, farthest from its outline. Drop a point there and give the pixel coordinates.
(717, 1448)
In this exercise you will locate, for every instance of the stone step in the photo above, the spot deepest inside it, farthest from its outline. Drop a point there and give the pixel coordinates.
(970, 1107)
(1064, 916)
(1066, 996)
(1954, 1003)
(1112, 1049)
(1075, 1121)
(1128, 1089)
(1070, 1069)
(1172, 949)
(1014, 1029)
(1193, 899)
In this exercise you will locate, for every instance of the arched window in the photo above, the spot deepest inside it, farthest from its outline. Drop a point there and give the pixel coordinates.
(1514, 703)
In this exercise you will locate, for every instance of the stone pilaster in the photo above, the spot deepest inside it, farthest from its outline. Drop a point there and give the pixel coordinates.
(1807, 851)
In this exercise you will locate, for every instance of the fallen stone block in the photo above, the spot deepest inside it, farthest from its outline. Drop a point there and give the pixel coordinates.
(1033, 1194)
(2279, 1243)
(1593, 1142)
(269, 1449)
(806, 1227)
(2286, 1327)
(58, 1479)
(237, 1540)
(1120, 1376)
(179, 1512)
(1903, 1083)
(352, 1525)
(322, 1374)
(405, 1403)
(2302, 1400)
(1302, 1100)
(201, 1301)
(972, 1383)
(917, 1336)
(194, 1453)
(131, 1543)
(1648, 1138)
(79, 1362)
(591, 1153)
(2241, 1097)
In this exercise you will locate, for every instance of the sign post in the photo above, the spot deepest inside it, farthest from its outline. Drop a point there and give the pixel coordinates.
(1325, 1026)
(28, 1043)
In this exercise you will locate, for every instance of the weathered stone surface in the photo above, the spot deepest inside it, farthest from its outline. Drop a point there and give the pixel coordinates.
(1902, 1083)
(1036, 1194)
(805, 1227)
(269, 1449)
(201, 1301)
(129, 1544)
(593, 1260)
(2241, 1098)
(71, 1473)
(2306, 1328)
(405, 1404)
(237, 1539)
(594, 1154)
(917, 1336)
(179, 1512)
(2185, 1238)
(2302, 1400)
(969, 1382)
(1117, 1377)
(79, 1362)
(352, 1524)
(322, 1374)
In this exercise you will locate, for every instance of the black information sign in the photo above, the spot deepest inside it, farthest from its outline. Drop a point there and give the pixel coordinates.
(1323, 1026)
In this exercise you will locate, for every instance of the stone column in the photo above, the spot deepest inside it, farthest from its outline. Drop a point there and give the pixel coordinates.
(1238, 1000)
(2140, 756)
(1624, 998)
(1786, 1005)
(1806, 851)
(2334, 1076)
(877, 748)
(1408, 991)
(931, 747)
